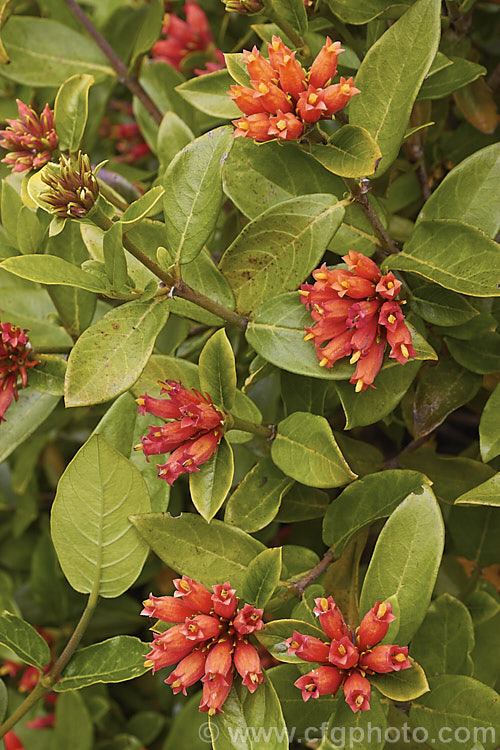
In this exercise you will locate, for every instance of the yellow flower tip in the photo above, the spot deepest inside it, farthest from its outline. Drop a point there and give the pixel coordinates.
(359, 386)
(176, 683)
(281, 124)
(254, 679)
(321, 275)
(404, 351)
(390, 284)
(243, 125)
(345, 284)
(211, 711)
(251, 58)
(140, 401)
(312, 99)
(400, 657)
(345, 88)
(263, 88)
(341, 650)
(381, 611)
(309, 337)
(148, 663)
(391, 318)
(147, 603)
(276, 45)
(138, 447)
(355, 357)
(323, 362)
(294, 644)
(359, 700)
(188, 462)
(304, 293)
(286, 58)
(323, 604)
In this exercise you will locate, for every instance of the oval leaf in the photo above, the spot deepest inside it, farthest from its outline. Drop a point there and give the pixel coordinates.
(24, 641)
(262, 577)
(49, 269)
(209, 486)
(217, 370)
(405, 685)
(350, 152)
(71, 111)
(489, 437)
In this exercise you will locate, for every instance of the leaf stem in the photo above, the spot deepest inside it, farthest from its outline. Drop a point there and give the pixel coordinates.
(359, 192)
(267, 431)
(130, 81)
(314, 573)
(47, 681)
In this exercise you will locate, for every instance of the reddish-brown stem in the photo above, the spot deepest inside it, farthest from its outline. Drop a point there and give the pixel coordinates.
(314, 573)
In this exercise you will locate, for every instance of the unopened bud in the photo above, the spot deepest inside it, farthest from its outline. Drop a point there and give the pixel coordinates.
(73, 192)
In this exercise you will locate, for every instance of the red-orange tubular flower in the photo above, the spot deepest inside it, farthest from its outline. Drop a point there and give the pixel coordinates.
(283, 97)
(192, 436)
(185, 37)
(350, 656)
(30, 140)
(210, 641)
(15, 351)
(355, 312)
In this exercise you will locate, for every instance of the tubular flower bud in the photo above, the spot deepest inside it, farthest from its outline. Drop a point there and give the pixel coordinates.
(210, 643)
(321, 681)
(244, 7)
(345, 659)
(191, 439)
(30, 140)
(283, 88)
(384, 659)
(374, 625)
(73, 192)
(324, 66)
(352, 315)
(15, 352)
(357, 691)
(12, 741)
(166, 608)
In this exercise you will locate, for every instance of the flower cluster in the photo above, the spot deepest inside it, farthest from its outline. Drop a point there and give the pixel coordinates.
(15, 350)
(30, 140)
(193, 436)
(283, 97)
(348, 657)
(74, 190)
(209, 641)
(183, 38)
(356, 312)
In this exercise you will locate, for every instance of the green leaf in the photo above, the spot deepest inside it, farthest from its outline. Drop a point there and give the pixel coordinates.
(118, 424)
(440, 306)
(344, 722)
(4, 700)
(210, 553)
(357, 12)
(193, 193)
(350, 152)
(98, 548)
(458, 703)
(441, 251)
(449, 79)
(481, 355)
(262, 577)
(244, 408)
(217, 370)
(235, 63)
(109, 356)
(173, 135)
(209, 486)
(163, 367)
(45, 53)
(368, 407)
(150, 30)
(29, 231)
(486, 493)
(391, 74)
(141, 208)
(74, 726)
(114, 660)
(49, 269)
(406, 560)
(23, 417)
(244, 713)
(71, 111)
(24, 641)
(256, 500)
(305, 449)
(489, 438)
(366, 500)
(291, 12)
(276, 632)
(406, 685)
(467, 193)
(302, 503)
(318, 710)
(115, 262)
(276, 251)
(445, 640)
(48, 375)
(208, 93)
(273, 175)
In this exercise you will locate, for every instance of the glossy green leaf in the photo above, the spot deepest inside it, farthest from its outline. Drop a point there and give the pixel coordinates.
(150, 29)
(273, 175)
(275, 252)
(345, 724)
(467, 192)
(366, 500)
(256, 500)
(24, 641)
(441, 251)
(49, 269)
(262, 577)
(302, 394)
(276, 632)
(304, 448)
(210, 553)
(147, 204)
(406, 560)
(449, 79)
(118, 424)
(235, 63)
(244, 408)
(406, 685)
(74, 726)
(115, 262)
(208, 93)
(458, 703)
(29, 231)
(290, 12)
(440, 306)
(115, 660)
(317, 711)
(44, 52)
(481, 355)
(489, 437)
(193, 193)
(23, 417)
(445, 640)
(98, 548)
(487, 493)
(110, 355)
(244, 714)
(357, 12)
(173, 135)
(48, 376)
(391, 74)
(71, 111)
(209, 486)
(11, 206)
(302, 503)
(350, 152)
(217, 370)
